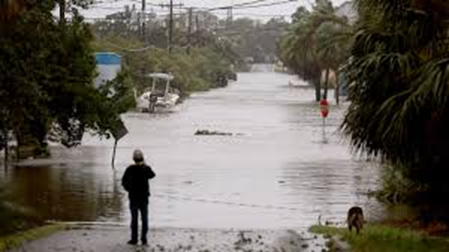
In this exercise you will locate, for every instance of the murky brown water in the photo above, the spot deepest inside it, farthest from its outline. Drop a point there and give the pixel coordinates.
(277, 173)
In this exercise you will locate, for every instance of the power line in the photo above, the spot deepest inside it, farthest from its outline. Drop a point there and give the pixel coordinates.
(159, 14)
(133, 50)
(170, 24)
(236, 5)
(240, 6)
(264, 5)
(255, 14)
(96, 5)
(248, 5)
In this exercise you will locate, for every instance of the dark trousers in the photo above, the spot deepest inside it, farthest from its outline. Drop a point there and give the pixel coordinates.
(137, 207)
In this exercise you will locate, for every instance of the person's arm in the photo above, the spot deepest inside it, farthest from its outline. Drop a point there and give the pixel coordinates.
(125, 180)
(150, 172)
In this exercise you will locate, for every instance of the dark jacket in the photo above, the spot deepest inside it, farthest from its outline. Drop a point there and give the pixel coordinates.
(135, 181)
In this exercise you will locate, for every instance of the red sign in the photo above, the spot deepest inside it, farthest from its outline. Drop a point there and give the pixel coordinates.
(324, 105)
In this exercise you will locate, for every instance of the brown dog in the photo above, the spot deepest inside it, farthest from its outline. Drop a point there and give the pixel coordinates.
(355, 219)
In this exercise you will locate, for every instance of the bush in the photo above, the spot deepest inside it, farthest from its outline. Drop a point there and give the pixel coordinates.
(204, 68)
(397, 187)
(382, 238)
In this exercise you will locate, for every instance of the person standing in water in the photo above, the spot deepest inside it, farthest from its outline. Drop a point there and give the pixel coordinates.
(135, 181)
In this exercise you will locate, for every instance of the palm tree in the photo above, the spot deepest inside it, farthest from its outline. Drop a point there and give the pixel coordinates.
(297, 50)
(400, 105)
(316, 41)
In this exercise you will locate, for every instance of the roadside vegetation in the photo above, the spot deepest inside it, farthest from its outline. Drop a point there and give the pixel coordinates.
(201, 69)
(317, 41)
(399, 110)
(395, 56)
(204, 56)
(47, 70)
(382, 238)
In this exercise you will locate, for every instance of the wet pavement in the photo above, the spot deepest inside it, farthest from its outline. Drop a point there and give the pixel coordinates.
(113, 239)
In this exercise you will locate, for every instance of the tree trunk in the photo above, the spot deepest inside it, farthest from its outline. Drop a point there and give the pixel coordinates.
(62, 7)
(6, 153)
(318, 90)
(5, 135)
(337, 88)
(19, 143)
(326, 84)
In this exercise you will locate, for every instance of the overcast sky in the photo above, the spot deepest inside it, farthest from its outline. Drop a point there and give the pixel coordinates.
(105, 7)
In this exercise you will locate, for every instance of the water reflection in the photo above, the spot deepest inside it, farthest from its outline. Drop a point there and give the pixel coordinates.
(65, 190)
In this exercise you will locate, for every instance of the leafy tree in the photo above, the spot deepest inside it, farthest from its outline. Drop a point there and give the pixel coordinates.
(315, 41)
(400, 103)
(46, 74)
(65, 5)
(254, 39)
(197, 71)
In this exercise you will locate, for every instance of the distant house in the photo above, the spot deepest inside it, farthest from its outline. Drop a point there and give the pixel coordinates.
(108, 66)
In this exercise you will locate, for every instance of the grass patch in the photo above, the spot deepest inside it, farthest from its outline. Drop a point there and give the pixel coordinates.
(380, 238)
(19, 224)
(15, 240)
(15, 218)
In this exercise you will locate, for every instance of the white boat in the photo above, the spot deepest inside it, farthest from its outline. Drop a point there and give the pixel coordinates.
(157, 96)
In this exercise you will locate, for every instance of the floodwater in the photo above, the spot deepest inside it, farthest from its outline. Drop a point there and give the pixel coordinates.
(278, 170)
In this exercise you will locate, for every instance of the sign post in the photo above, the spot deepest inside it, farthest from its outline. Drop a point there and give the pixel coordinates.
(324, 107)
(118, 134)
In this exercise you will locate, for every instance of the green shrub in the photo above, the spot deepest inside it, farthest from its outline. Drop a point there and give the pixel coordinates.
(397, 188)
(380, 238)
(198, 71)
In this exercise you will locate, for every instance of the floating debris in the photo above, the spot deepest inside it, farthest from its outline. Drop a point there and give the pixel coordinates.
(211, 133)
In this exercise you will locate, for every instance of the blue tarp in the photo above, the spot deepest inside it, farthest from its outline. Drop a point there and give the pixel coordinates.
(107, 58)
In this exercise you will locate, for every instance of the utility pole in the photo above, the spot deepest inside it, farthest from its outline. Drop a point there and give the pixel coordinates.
(170, 29)
(189, 36)
(143, 16)
(170, 24)
(197, 22)
(230, 15)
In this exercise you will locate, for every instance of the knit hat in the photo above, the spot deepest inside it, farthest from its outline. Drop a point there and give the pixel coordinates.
(138, 156)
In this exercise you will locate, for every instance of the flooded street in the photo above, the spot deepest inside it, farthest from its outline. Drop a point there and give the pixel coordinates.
(274, 172)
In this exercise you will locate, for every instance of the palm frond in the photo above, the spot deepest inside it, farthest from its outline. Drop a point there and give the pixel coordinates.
(383, 9)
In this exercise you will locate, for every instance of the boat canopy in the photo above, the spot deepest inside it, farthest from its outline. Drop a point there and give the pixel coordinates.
(163, 76)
